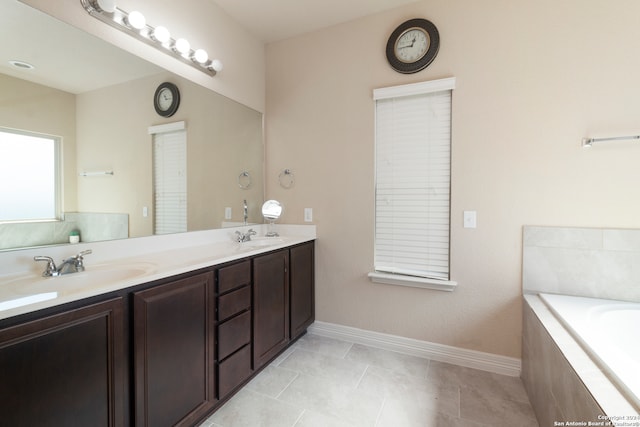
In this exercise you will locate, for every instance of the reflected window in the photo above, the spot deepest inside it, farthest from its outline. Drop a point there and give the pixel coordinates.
(29, 176)
(170, 182)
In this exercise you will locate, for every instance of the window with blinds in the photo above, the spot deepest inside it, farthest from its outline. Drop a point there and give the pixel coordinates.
(413, 175)
(170, 182)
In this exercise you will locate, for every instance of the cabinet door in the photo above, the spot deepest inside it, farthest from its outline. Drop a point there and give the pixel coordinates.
(302, 288)
(173, 352)
(271, 306)
(65, 370)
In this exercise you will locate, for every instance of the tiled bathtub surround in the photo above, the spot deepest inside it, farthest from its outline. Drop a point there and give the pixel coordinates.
(590, 262)
(325, 382)
(562, 381)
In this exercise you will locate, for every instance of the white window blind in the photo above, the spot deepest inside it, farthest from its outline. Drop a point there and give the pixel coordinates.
(413, 170)
(170, 182)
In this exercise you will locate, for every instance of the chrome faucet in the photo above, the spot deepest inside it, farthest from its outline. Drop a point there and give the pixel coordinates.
(245, 210)
(74, 264)
(245, 237)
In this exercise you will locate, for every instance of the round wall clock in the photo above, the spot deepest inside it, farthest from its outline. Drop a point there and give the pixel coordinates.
(413, 46)
(166, 100)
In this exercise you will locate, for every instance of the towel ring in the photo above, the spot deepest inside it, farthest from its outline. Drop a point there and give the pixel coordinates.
(286, 178)
(244, 180)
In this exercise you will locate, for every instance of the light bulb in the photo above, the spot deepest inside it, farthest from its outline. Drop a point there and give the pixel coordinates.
(161, 34)
(216, 65)
(136, 20)
(182, 46)
(201, 56)
(108, 6)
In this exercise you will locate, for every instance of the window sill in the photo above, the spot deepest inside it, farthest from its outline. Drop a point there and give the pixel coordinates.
(414, 282)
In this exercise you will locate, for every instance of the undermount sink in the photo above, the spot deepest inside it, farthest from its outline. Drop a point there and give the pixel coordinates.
(258, 242)
(93, 276)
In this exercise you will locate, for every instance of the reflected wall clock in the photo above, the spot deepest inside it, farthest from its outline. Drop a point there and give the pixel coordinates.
(413, 45)
(166, 100)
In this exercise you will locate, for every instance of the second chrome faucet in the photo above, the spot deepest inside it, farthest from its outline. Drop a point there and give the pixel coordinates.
(245, 237)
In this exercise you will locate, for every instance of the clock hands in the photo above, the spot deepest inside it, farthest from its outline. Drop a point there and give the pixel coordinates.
(408, 45)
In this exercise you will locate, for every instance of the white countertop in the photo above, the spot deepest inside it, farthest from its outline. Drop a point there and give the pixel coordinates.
(120, 264)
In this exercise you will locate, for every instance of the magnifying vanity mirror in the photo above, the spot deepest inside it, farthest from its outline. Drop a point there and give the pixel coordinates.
(98, 100)
(271, 211)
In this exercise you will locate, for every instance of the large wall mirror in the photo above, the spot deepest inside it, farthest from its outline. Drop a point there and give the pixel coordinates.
(98, 100)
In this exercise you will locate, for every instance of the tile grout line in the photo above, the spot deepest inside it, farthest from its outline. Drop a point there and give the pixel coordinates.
(384, 402)
(284, 356)
(361, 377)
(429, 369)
(287, 386)
(344, 356)
(295, 423)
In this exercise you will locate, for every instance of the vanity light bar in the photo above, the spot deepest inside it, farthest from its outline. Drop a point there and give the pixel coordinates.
(135, 24)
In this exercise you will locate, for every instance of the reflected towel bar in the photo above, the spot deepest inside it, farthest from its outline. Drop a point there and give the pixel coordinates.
(588, 142)
(98, 173)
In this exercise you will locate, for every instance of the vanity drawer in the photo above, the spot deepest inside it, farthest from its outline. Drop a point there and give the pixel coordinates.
(234, 276)
(233, 334)
(233, 371)
(234, 302)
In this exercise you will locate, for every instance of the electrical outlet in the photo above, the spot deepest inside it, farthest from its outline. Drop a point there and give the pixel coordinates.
(227, 213)
(308, 214)
(145, 211)
(469, 219)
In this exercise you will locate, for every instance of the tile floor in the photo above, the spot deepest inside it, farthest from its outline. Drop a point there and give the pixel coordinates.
(322, 382)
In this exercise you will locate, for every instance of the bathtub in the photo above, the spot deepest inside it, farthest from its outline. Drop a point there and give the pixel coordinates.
(609, 331)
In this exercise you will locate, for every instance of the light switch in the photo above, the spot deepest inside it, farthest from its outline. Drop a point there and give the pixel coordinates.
(470, 219)
(308, 214)
(145, 212)
(227, 213)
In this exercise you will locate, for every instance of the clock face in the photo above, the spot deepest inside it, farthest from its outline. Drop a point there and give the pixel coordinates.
(165, 99)
(412, 45)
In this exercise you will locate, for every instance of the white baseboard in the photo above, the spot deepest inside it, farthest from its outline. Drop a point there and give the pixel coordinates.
(443, 353)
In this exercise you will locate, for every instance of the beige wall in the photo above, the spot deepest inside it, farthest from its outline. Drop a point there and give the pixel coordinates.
(31, 107)
(533, 78)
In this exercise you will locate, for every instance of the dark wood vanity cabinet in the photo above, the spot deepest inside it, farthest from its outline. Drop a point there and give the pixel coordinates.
(161, 354)
(65, 369)
(278, 302)
(173, 346)
(233, 316)
(302, 288)
(270, 306)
